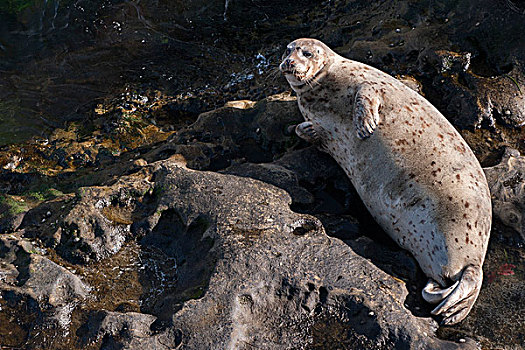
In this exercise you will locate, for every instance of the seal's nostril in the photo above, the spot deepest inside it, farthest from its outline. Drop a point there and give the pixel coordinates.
(290, 62)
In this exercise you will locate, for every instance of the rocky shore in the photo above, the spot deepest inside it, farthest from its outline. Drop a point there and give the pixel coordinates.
(163, 204)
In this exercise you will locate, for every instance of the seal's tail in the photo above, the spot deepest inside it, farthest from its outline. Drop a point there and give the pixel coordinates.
(456, 300)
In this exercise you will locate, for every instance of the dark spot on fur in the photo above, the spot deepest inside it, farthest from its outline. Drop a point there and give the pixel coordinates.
(440, 136)
(457, 240)
(433, 163)
(467, 204)
(449, 198)
(458, 177)
(401, 142)
(469, 226)
(459, 149)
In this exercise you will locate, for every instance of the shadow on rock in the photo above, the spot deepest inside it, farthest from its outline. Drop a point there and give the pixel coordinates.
(178, 262)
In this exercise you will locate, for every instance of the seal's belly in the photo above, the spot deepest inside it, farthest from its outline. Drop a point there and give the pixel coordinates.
(423, 185)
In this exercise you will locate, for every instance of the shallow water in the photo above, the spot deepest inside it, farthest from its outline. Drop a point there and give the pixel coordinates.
(49, 67)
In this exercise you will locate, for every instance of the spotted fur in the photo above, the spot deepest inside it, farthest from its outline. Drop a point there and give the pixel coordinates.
(414, 172)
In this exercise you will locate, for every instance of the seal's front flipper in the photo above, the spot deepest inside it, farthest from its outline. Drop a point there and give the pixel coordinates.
(366, 111)
(457, 303)
(307, 132)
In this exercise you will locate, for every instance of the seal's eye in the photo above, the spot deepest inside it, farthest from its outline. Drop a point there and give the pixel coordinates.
(307, 54)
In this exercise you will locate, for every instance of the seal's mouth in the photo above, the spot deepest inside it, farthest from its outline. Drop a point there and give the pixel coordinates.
(303, 78)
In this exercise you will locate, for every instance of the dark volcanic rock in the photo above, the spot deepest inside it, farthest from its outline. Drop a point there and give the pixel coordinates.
(475, 101)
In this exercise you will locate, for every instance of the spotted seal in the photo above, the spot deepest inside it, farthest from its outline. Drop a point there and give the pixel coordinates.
(416, 175)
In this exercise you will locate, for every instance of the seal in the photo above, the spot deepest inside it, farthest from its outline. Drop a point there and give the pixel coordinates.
(414, 172)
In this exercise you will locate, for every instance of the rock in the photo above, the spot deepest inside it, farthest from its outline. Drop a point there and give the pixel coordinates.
(507, 187)
(230, 135)
(241, 104)
(247, 270)
(47, 292)
(155, 240)
(443, 61)
(273, 283)
(412, 83)
(487, 99)
(127, 331)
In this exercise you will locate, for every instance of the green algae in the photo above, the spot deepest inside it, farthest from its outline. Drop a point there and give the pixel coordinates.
(14, 206)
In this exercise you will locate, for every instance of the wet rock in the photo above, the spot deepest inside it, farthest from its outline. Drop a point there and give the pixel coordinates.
(507, 187)
(486, 100)
(48, 292)
(229, 135)
(8, 222)
(412, 83)
(443, 61)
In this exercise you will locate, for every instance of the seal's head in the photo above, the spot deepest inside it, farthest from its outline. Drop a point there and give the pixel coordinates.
(304, 62)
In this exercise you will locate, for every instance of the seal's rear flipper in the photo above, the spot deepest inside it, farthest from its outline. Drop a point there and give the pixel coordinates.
(433, 293)
(458, 299)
